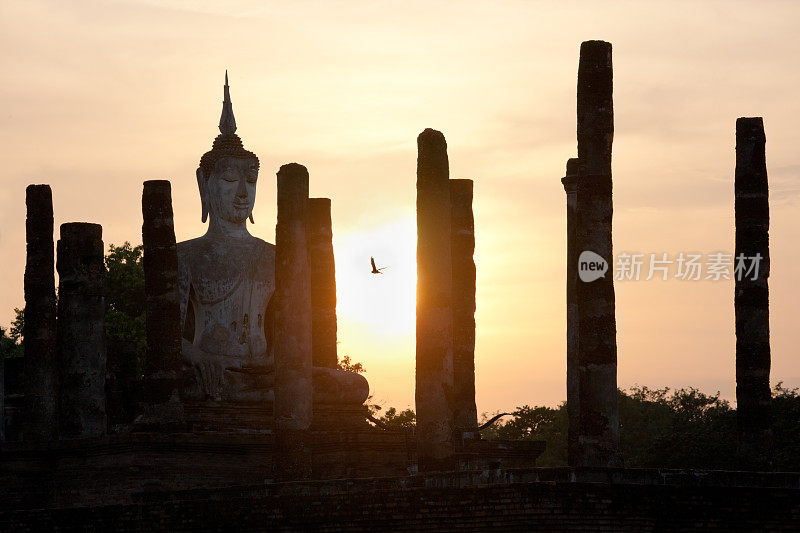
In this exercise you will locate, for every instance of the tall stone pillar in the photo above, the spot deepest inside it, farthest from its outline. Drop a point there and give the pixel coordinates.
(2, 394)
(570, 182)
(322, 270)
(160, 402)
(434, 375)
(293, 344)
(598, 437)
(462, 249)
(41, 367)
(751, 299)
(81, 331)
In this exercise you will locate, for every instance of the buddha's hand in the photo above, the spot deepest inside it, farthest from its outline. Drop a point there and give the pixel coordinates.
(208, 370)
(210, 376)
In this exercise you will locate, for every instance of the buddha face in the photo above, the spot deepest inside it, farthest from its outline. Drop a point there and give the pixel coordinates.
(231, 189)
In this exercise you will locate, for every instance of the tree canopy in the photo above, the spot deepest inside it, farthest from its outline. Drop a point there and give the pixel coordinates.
(664, 428)
(125, 304)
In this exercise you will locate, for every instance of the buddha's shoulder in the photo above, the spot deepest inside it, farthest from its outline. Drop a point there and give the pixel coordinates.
(264, 246)
(262, 249)
(203, 246)
(191, 244)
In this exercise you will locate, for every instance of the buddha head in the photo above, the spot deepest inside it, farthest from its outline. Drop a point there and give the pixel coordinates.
(228, 173)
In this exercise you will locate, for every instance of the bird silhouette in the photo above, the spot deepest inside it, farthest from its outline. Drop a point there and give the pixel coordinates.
(376, 270)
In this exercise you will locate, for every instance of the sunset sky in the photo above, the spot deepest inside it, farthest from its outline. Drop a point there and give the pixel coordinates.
(100, 96)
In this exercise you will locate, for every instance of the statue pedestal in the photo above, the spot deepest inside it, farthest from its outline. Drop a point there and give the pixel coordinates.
(258, 418)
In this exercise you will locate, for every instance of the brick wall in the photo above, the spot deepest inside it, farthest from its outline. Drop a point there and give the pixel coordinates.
(370, 505)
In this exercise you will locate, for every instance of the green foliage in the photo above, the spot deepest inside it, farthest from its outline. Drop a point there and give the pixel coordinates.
(786, 428)
(346, 364)
(535, 423)
(125, 302)
(12, 340)
(17, 329)
(125, 279)
(684, 429)
(406, 419)
(8, 346)
(660, 428)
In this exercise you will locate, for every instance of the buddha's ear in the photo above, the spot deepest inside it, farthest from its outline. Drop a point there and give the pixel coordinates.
(202, 185)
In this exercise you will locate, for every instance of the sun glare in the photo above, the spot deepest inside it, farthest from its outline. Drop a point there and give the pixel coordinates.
(385, 302)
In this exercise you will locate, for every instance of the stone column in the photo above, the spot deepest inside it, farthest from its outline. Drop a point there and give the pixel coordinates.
(322, 270)
(462, 248)
(751, 299)
(293, 345)
(2, 393)
(41, 367)
(160, 402)
(81, 331)
(434, 374)
(598, 437)
(570, 182)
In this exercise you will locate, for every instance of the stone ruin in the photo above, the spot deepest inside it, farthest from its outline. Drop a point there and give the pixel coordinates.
(593, 439)
(241, 370)
(241, 340)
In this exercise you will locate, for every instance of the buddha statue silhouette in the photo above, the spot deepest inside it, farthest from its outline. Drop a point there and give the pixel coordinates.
(226, 279)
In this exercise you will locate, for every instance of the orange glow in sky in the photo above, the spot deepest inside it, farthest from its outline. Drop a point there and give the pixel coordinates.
(99, 96)
(384, 302)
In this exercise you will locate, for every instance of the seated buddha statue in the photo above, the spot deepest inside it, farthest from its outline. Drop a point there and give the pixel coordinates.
(226, 279)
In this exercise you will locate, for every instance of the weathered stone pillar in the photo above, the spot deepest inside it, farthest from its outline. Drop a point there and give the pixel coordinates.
(462, 249)
(81, 331)
(160, 402)
(751, 299)
(434, 375)
(2, 393)
(570, 182)
(598, 437)
(293, 345)
(41, 367)
(322, 270)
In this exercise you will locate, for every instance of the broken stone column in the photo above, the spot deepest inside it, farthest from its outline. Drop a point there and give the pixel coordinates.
(462, 250)
(322, 271)
(570, 182)
(434, 373)
(160, 402)
(598, 433)
(81, 331)
(293, 344)
(41, 367)
(751, 299)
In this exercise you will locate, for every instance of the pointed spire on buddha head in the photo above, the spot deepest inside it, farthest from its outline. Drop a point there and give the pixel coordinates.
(227, 122)
(226, 145)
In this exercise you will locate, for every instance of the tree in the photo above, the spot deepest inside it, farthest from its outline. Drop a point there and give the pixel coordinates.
(682, 429)
(13, 339)
(346, 364)
(786, 428)
(661, 428)
(405, 419)
(125, 300)
(17, 329)
(125, 303)
(535, 423)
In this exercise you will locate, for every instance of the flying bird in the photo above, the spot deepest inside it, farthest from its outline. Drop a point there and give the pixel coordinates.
(376, 270)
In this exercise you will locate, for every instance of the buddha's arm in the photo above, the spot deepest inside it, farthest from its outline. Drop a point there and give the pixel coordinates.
(183, 288)
(269, 326)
